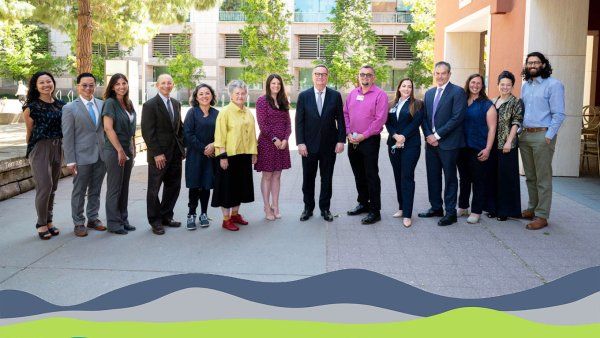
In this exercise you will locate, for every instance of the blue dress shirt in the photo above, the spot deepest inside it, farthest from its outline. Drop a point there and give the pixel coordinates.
(544, 101)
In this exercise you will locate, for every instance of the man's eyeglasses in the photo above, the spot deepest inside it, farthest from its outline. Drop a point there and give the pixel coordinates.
(87, 86)
(320, 74)
(367, 75)
(534, 63)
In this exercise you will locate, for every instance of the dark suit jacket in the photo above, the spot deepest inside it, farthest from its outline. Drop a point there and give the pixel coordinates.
(160, 135)
(405, 124)
(448, 117)
(320, 132)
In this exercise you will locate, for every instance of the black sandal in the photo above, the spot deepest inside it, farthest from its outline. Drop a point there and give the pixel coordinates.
(46, 235)
(54, 231)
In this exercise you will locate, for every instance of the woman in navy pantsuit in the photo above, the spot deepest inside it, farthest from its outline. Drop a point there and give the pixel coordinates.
(404, 145)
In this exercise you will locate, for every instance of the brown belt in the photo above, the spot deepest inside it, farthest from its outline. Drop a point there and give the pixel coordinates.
(535, 130)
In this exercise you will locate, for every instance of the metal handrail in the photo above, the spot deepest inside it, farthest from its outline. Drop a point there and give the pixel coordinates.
(231, 16)
(392, 17)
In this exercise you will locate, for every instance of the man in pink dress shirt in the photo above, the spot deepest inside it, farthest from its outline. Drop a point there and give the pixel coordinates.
(365, 113)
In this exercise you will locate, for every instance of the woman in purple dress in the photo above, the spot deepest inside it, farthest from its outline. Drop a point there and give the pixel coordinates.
(273, 116)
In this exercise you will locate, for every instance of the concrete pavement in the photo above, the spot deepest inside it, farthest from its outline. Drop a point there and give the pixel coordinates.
(462, 260)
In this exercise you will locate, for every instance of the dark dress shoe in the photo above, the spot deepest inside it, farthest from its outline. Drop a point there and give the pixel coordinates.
(118, 232)
(491, 215)
(371, 218)
(327, 215)
(359, 209)
(447, 220)
(129, 227)
(431, 213)
(502, 218)
(171, 223)
(305, 215)
(97, 225)
(158, 230)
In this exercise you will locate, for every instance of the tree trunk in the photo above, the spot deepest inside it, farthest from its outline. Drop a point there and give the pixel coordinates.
(84, 37)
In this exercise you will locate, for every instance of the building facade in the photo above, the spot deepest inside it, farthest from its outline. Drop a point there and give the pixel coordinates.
(489, 36)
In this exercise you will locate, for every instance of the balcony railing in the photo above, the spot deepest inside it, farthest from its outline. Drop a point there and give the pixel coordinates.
(393, 17)
(311, 17)
(231, 16)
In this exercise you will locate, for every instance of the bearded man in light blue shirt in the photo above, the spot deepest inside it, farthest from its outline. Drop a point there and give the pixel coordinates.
(544, 100)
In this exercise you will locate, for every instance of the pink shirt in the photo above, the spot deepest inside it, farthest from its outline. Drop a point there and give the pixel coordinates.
(366, 113)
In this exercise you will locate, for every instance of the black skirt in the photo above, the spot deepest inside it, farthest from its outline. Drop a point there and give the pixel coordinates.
(234, 185)
(508, 201)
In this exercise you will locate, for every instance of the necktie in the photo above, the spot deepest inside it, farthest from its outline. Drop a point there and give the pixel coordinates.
(90, 108)
(170, 110)
(320, 102)
(436, 100)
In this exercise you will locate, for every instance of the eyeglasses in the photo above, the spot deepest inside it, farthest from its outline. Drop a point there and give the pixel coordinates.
(87, 86)
(320, 74)
(367, 75)
(534, 63)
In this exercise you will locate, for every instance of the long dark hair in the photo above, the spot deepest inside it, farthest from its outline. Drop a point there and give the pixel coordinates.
(194, 102)
(33, 94)
(545, 72)
(414, 104)
(109, 92)
(282, 100)
(482, 94)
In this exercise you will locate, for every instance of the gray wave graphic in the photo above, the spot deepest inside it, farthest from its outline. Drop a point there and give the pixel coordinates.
(350, 286)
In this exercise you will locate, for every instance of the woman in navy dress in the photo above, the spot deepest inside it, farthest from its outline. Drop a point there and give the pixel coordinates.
(404, 145)
(273, 115)
(199, 133)
(473, 164)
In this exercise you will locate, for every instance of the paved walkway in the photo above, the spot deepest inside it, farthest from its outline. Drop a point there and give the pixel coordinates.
(462, 260)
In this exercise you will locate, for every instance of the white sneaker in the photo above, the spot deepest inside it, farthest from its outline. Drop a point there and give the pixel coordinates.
(398, 214)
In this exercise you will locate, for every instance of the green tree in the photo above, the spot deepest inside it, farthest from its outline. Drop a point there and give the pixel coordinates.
(354, 45)
(14, 10)
(420, 35)
(185, 69)
(265, 40)
(128, 22)
(25, 49)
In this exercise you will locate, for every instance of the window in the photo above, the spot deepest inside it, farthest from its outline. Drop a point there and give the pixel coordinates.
(231, 10)
(313, 46)
(111, 50)
(170, 45)
(233, 42)
(235, 73)
(395, 75)
(313, 10)
(396, 47)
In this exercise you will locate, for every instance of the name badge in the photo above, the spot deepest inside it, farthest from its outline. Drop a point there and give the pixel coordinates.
(360, 97)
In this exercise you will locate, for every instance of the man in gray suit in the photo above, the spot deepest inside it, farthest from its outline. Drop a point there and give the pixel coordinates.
(83, 140)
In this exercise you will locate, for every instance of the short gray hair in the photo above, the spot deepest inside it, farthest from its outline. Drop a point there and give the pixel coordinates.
(234, 84)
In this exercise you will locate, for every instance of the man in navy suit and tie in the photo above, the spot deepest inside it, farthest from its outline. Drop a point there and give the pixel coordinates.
(445, 107)
(320, 135)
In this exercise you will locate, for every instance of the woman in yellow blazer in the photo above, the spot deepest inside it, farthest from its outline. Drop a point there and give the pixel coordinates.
(236, 148)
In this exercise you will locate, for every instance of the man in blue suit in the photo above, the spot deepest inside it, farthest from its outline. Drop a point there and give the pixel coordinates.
(445, 107)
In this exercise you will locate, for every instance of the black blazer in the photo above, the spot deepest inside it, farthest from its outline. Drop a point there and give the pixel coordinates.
(320, 132)
(161, 136)
(405, 124)
(449, 116)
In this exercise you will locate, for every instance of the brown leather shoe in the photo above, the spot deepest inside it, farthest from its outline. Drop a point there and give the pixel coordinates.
(80, 230)
(158, 229)
(96, 225)
(527, 214)
(537, 224)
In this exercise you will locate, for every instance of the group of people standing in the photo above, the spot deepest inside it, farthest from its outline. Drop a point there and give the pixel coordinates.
(464, 130)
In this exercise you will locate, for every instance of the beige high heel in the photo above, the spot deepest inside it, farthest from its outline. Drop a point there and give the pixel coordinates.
(269, 214)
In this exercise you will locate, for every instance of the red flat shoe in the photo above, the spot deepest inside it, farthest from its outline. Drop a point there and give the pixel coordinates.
(237, 218)
(228, 225)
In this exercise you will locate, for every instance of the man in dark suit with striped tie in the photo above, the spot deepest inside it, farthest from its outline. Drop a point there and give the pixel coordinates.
(320, 135)
(445, 107)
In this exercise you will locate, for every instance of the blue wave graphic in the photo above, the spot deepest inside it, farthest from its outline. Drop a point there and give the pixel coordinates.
(350, 286)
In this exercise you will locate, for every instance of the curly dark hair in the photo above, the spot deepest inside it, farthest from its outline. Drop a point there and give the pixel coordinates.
(546, 70)
(33, 93)
(194, 102)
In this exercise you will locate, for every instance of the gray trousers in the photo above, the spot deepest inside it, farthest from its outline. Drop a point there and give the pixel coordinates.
(45, 160)
(87, 181)
(117, 190)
